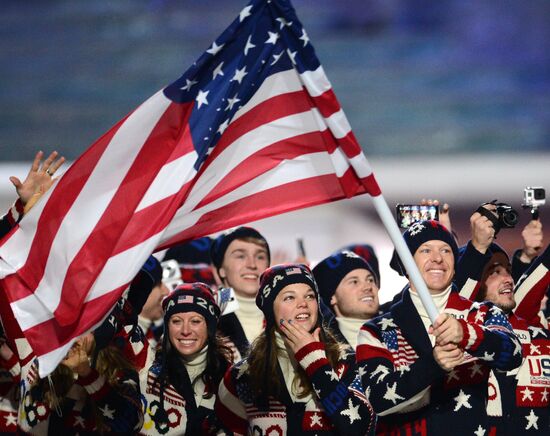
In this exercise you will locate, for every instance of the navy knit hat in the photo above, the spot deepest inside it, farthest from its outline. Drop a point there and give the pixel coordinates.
(367, 252)
(498, 255)
(192, 297)
(193, 258)
(330, 271)
(419, 233)
(274, 279)
(220, 244)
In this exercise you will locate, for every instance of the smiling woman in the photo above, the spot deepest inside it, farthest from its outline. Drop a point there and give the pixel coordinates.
(179, 380)
(297, 379)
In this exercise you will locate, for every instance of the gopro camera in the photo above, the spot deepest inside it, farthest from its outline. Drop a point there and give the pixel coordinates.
(171, 274)
(533, 198)
(408, 214)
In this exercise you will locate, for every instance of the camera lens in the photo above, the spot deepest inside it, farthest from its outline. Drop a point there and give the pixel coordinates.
(539, 194)
(510, 218)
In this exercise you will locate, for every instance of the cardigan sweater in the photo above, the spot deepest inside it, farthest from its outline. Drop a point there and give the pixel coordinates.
(409, 389)
(339, 405)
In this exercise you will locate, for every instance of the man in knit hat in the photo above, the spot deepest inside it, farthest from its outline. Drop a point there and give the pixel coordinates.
(425, 378)
(239, 257)
(520, 399)
(348, 285)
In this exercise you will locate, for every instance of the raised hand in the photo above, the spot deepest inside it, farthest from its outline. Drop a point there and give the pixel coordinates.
(39, 179)
(78, 357)
(532, 241)
(296, 336)
(483, 232)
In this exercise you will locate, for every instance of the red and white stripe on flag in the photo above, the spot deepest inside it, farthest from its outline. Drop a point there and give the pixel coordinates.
(136, 190)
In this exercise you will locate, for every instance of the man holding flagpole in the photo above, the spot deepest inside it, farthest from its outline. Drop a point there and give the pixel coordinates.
(424, 378)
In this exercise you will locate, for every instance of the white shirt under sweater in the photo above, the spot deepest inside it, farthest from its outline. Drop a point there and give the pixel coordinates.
(440, 301)
(195, 367)
(250, 317)
(349, 327)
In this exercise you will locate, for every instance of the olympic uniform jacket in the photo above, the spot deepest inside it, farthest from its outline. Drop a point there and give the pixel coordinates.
(179, 411)
(406, 386)
(519, 400)
(339, 405)
(230, 326)
(117, 406)
(10, 374)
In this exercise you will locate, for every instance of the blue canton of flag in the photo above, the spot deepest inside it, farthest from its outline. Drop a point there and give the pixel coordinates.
(266, 38)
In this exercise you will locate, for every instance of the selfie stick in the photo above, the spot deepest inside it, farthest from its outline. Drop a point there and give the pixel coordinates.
(405, 255)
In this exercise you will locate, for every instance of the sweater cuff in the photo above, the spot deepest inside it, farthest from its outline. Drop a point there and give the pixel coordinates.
(94, 383)
(472, 335)
(311, 357)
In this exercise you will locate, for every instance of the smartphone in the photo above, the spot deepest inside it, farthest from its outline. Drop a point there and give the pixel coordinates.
(408, 214)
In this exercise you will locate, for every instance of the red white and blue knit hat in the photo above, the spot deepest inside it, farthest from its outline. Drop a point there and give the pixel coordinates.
(193, 297)
(274, 279)
(419, 233)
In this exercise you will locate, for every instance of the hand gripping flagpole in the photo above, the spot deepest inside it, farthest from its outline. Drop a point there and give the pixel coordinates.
(405, 255)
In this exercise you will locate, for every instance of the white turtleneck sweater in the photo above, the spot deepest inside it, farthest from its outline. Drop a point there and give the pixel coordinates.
(440, 301)
(195, 366)
(250, 317)
(350, 328)
(289, 367)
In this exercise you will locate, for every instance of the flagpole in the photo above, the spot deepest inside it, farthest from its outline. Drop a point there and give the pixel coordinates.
(405, 255)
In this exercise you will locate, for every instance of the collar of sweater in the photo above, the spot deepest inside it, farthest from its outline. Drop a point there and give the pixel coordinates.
(440, 301)
(349, 327)
(250, 317)
(196, 363)
(247, 307)
(289, 367)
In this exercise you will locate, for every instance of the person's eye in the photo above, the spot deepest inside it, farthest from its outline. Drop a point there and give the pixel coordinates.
(288, 298)
(310, 296)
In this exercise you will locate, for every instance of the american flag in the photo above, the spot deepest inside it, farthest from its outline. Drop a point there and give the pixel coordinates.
(252, 129)
(185, 299)
(403, 354)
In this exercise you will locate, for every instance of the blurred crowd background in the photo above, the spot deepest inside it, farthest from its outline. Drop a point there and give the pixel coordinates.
(449, 98)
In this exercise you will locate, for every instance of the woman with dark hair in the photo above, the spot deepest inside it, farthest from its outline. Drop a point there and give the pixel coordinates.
(179, 379)
(297, 378)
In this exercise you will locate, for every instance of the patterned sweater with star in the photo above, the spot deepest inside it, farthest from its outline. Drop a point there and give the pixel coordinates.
(338, 405)
(189, 408)
(406, 386)
(89, 400)
(519, 400)
(10, 372)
